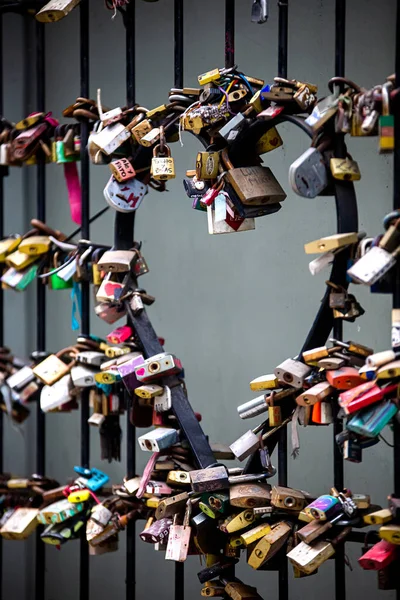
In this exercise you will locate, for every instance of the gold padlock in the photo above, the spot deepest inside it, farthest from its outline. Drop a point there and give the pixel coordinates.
(274, 412)
(21, 524)
(19, 260)
(52, 368)
(253, 185)
(207, 165)
(269, 141)
(122, 169)
(8, 245)
(162, 167)
(345, 169)
(141, 129)
(35, 245)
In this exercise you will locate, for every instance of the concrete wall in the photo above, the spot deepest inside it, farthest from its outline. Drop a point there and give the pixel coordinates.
(232, 307)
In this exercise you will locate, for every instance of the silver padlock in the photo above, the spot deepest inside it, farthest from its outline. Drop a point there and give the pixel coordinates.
(91, 357)
(53, 396)
(252, 408)
(373, 265)
(234, 126)
(308, 175)
(125, 197)
(292, 372)
(109, 139)
(246, 445)
(82, 376)
(158, 439)
(163, 402)
(20, 379)
(136, 303)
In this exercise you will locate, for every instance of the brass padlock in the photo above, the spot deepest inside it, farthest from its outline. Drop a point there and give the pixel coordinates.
(207, 165)
(269, 141)
(19, 260)
(141, 129)
(274, 412)
(345, 169)
(116, 261)
(52, 368)
(253, 185)
(162, 167)
(35, 245)
(8, 245)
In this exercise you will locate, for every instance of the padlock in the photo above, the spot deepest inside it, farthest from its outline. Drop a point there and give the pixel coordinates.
(110, 138)
(21, 378)
(20, 524)
(9, 245)
(379, 556)
(312, 531)
(91, 357)
(371, 267)
(110, 288)
(169, 506)
(331, 242)
(292, 372)
(150, 138)
(308, 175)
(344, 169)
(269, 545)
(122, 170)
(246, 445)
(209, 77)
(236, 522)
(59, 511)
(269, 141)
(274, 412)
(160, 365)
(207, 165)
(163, 402)
(120, 334)
(52, 368)
(82, 376)
(345, 378)
(379, 517)
(125, 197)
(323, 508)
(55, 10)
(141, 129)
(239, 591)
(308, 558)
(253, 185)
(361, 396)
(315, 394)
(386, 122)
(287, 498)
(149, 391)
(394, 506)
(233, 127)
(19, 260)
(178, 478)
(390, 533)
(371, 421)
(117, 261)
(209, 480)
(249, 495)
(179, 538)
(259, 405)
(158, 439)
(57, 394)
(162, 167)
(265, 382)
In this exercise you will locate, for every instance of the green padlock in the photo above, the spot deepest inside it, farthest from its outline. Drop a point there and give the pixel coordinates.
(28, 276)
(60, 154)
(56, 283)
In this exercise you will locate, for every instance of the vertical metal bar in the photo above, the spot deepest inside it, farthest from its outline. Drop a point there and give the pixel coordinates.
(229, 33)
(396, 291)
(178, 82)
(84, 593)
(283, 38)
(282, 442)
(41, 301)
(3, 172)
(124, 238)
(340, 150)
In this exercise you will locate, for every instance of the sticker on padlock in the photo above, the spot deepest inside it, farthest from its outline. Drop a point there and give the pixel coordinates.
(179, 538)
(125, 197)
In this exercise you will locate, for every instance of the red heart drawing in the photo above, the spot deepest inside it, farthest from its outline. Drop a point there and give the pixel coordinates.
(110, 288)
(140, 372)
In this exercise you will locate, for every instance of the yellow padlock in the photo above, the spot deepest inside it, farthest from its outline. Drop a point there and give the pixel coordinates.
(79, 496)
(269, 141)
(162, 167)
(35, 245)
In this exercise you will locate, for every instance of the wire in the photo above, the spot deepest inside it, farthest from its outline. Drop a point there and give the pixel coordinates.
(386, 442)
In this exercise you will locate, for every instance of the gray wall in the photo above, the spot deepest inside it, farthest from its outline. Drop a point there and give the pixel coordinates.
(232, 307)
